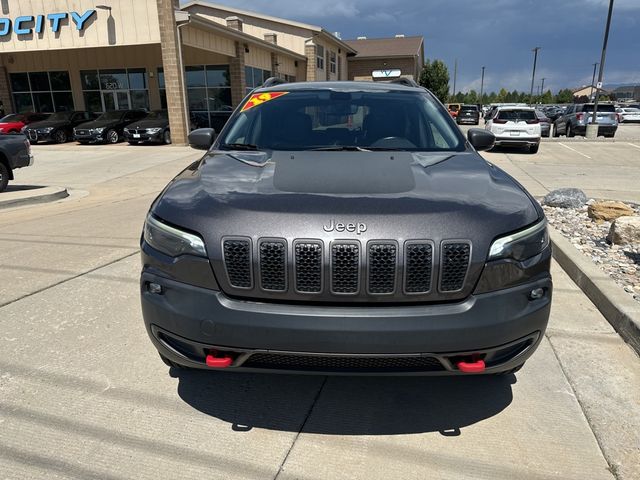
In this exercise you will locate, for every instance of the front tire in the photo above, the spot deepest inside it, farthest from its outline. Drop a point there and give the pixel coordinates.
(570, 132)
(167, 137)
(4, 177)
(60, 136)
(112, 137)
(534, 148)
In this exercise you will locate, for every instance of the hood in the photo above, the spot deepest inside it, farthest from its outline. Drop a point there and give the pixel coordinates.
(49, 124)
(398, 196)
(150, 123)
(99, 124)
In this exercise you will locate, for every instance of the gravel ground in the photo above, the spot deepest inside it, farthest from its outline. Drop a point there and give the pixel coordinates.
(622, 263)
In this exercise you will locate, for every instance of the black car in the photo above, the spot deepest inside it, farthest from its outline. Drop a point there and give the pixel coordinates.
(108, 127)
(57, 128)
(154, 128)
(345, 227)
(15, 152)
(468, 114)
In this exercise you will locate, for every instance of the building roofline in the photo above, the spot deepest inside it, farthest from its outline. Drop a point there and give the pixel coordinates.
(416, 53)
(284, 21)
(197, 20)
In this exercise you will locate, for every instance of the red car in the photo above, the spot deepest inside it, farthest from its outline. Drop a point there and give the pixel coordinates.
(13, 123)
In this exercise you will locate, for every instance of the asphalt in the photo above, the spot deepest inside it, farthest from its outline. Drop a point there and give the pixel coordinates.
(84, 395)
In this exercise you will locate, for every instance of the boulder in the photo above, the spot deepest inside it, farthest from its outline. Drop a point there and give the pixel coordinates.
(609, 211)
(565, 198)
(624, 231)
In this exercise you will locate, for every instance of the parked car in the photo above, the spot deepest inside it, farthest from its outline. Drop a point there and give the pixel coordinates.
(15, 152)
(575, 119)
(453, 109)
(15, 122)
(628, 115)
(108, 127)
(154, 128)
(517, 127)
(490, 113)
(468, 114)
(57, 128)
(383, 242)
(545, 123)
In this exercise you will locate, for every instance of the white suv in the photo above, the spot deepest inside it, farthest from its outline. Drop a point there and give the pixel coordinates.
(515, 126)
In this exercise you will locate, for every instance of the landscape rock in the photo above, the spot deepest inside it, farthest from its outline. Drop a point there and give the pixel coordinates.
(565, 198)
(606, 211)
(625, 231)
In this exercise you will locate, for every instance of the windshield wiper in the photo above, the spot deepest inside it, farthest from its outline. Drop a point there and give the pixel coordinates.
(339, 148)
(239, 146)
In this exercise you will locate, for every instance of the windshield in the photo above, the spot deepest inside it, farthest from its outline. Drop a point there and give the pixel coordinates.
(12, 118)
(60, 116)
(517, 115)
(115, 115)
(330, 119)
(469, 108)
(601, 108)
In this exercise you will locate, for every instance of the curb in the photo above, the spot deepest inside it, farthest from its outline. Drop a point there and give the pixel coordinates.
(46, 194)
(620, 310)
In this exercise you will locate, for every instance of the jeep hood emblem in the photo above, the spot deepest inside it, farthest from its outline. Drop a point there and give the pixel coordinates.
(357, 228)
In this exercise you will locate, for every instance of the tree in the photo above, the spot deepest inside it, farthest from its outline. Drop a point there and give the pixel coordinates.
(472, 97)
(435, 77)
(564, 96)
(502, 96)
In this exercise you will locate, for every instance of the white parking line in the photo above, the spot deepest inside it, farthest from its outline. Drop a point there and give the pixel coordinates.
(574, 150)
(634, 145)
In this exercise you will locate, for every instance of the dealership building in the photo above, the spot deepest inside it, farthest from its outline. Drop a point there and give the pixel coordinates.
(197, 60)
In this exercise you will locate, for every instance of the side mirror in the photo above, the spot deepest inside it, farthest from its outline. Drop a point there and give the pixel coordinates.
(481, 139)
(202, 138)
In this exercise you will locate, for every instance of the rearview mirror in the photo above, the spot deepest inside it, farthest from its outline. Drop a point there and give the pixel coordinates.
(481, 139)
(202, 138)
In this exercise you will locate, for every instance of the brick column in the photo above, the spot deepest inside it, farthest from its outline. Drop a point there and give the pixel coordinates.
(5, 91)
(327, 67)
(310, 53)
(236, 72)
(273, 38)
(173, 71)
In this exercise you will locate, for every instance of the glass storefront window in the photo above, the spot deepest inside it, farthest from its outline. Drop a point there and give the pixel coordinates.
(219, 99)
(195, 77)
(197, 98)
(218, 76)
(121, 89)
(42, 92)
(255, 77)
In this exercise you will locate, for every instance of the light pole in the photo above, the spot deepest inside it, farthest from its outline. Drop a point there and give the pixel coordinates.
(593, 80)
(593, 131)
(533, 75)
(542, 87)
(481, 89)
(455, 76)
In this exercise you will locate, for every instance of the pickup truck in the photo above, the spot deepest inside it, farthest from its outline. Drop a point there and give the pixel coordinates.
(15, 152)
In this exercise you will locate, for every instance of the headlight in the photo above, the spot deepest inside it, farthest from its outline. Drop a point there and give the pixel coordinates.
(172, 241)
(46, 130)
(521, 245)
(153, 131)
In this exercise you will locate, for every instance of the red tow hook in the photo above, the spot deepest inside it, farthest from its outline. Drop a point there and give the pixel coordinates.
(477, 366)
(214, 361)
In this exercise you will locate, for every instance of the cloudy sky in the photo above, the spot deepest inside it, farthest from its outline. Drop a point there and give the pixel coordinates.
(496, 33)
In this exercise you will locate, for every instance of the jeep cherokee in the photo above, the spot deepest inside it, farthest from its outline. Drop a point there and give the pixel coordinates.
(345, 228)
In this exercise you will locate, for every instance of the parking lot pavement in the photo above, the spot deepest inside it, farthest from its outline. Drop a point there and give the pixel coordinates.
(84, 395)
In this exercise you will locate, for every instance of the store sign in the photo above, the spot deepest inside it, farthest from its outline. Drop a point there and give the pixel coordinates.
(390, 73)
(26, 25)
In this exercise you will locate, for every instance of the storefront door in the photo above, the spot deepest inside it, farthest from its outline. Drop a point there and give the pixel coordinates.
(115, 100)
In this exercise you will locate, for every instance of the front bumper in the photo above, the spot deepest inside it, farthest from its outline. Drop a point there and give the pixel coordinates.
(143, 137)
(36, 136)
(185, 322)
(468, 120)
(90, 137)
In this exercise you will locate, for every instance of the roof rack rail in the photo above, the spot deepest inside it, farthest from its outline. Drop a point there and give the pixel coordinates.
(407, 82)
(271, 81)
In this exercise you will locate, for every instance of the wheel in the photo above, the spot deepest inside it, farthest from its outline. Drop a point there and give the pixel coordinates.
(167, 137)
(556, 134)
(4, 177)
(112, 136)
(172, 364)
(60, 136)
(609, 135)
(534, 148)
(570, 132)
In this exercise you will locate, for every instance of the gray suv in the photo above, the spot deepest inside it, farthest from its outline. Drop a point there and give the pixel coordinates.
(576, 117)
(345, 227)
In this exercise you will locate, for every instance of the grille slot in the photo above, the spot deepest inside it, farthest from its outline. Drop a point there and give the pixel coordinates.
(345, 268)
(237, 261)
(454, 265)
(308, 267)
(418, 267)
(273, 265)
(358, 363)
(382, 267)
